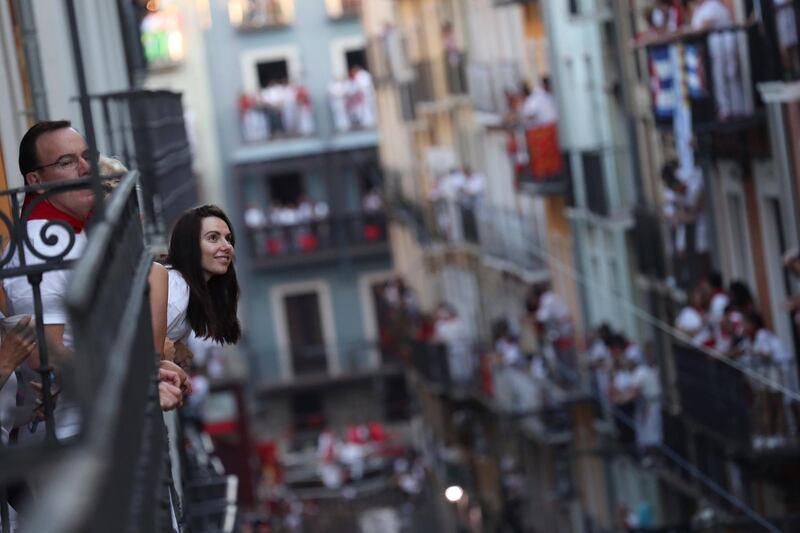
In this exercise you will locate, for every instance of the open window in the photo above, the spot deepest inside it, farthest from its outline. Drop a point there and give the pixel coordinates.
(286, 189)
(272, 71)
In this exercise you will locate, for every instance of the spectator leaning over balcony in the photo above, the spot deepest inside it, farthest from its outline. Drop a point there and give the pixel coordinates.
(554, 323)
(730, 333)
(768, 356)
(646, 391)
(451, 330)
(203, 290)
(715, 16)
(539, 108)
(52, 152)
(621, 390)
(361, 97)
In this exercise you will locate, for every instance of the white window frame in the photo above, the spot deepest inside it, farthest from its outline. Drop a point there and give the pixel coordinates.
(339, 49)
(323, 291)
(251, 59)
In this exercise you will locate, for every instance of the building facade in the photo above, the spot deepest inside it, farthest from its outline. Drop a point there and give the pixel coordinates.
(295, 125)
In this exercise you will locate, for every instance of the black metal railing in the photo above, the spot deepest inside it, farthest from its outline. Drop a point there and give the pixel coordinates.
(147, 132)
(319, 236)
(751, 409)
(720, 68)
(117, 466)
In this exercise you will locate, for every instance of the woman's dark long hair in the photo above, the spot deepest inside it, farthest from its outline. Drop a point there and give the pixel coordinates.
(213, 303)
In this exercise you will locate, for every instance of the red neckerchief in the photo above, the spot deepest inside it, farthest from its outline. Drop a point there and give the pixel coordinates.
(44, 210)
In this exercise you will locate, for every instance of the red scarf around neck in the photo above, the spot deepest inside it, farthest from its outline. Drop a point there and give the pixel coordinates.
(44, 210)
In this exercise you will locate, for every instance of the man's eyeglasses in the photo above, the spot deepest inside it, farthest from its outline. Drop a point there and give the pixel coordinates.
(65, 162)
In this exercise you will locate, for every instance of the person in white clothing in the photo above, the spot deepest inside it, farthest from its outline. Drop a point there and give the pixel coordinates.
(714, 16)
(646, 390)
(203, 289)
(451, 330)
(539, 108)
(768, 356)
(337, 96)
(362, 97)
(52, 151)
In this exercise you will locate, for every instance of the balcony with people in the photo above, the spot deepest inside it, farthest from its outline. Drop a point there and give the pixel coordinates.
(352, 101)
(278, 111)
(299, 230)
(459, 215)
(533, 145)
(705, 66)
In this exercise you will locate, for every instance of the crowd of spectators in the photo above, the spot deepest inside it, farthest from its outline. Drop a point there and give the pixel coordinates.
(727, 321)
(627, 382)
(304, 225)
(280, 109)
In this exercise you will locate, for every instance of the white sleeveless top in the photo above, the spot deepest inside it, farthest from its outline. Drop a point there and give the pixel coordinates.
(178, 328)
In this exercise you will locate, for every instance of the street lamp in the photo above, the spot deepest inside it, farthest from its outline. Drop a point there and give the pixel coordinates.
(453, 493)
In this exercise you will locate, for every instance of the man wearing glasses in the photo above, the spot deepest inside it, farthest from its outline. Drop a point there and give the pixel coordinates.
(52, 152)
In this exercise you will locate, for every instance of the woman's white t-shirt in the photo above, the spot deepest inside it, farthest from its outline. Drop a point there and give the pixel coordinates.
(178, 328)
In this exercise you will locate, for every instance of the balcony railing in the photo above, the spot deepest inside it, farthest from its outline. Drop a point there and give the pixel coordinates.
(512, 237)
(278, 113)
(343, 9)
(117, 461)
(718, 75)
(323, 237)
(743, 410)
(260, 14)
(656, 253)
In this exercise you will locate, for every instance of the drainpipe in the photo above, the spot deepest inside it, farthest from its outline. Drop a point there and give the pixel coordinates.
(23, 13)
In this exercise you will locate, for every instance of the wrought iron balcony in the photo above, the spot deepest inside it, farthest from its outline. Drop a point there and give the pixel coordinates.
(719, 397)
(714, 71)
